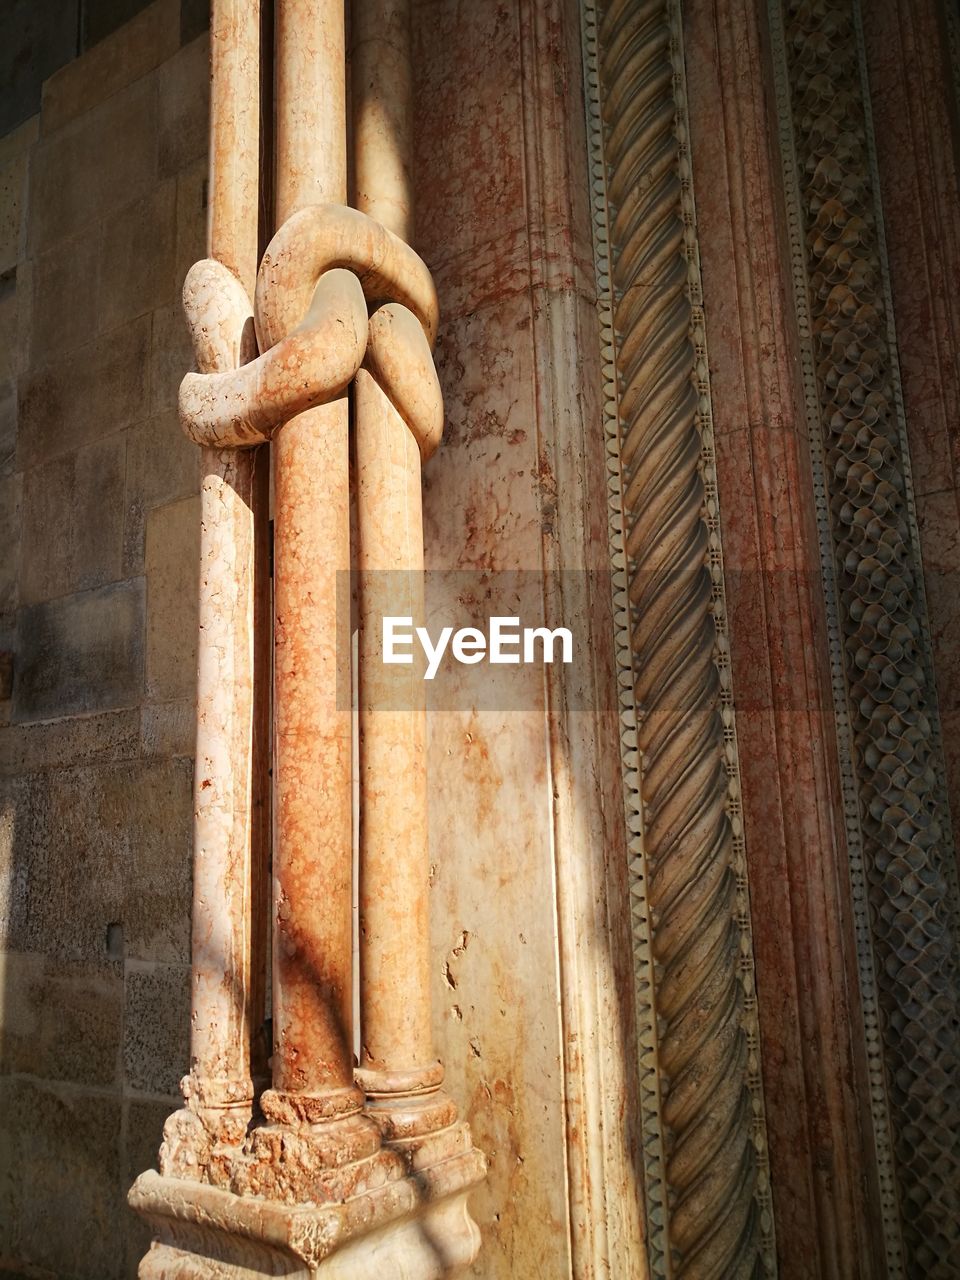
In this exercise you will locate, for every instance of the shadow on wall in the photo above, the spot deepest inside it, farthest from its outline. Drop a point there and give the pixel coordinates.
(102, 212)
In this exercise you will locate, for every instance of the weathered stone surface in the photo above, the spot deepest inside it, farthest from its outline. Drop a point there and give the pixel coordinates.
(172, 356)
(65, 290)
(22, 976)
(10, 505)
(172, 559)
(75, 177)
(59, 1156)
(162, 465)
(169, 729)
(108, 737)
(64, 860)
(184, 83)
(156, 1036)
(13, 319)
(8, 427)
(157, 808)
(60, 1024)
(13, 179)
(73, 521)
(113, 63)
(191, 216)
(92, 392)
(80, 653)
(143, 1130)
(85, 848)
(141, 233)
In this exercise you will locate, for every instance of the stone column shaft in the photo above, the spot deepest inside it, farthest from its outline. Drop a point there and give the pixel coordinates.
(221, 941)
(397, 1055)
(313, 832)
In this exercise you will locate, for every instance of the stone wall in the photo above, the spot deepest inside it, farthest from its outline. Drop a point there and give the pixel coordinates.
(102, 211)
(40, 38)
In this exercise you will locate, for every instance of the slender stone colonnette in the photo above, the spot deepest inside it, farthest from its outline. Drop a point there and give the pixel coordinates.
(329, 1171)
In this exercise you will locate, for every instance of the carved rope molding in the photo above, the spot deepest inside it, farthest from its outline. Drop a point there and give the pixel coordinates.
(706, 1177)
(902, 863)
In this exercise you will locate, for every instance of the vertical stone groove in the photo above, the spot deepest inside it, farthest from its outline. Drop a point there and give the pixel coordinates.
(707, 1189)
(902, 860)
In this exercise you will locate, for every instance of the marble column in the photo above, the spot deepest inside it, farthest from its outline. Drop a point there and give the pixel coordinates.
(313, 988)
(222, 939)
(399, 1069)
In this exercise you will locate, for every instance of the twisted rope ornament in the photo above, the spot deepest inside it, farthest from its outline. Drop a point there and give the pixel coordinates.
(712, 1218)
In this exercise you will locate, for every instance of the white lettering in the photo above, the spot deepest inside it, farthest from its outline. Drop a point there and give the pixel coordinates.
(469, 645)
(391, 640)
(433, 653)
(531, 634)
(500, 637)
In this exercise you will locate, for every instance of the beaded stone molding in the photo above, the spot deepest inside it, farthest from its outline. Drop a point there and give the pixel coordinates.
(706, 1177)
(901, 857)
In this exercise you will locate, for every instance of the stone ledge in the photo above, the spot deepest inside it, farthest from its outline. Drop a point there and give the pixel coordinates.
(415, 1228)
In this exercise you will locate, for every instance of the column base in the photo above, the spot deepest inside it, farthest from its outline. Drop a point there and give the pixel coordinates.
(413, 1227)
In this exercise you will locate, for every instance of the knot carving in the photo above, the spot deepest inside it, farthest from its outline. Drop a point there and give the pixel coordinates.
(335, 291)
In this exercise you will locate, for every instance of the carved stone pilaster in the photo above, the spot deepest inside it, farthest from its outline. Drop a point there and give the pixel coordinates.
(902, 862)
(704, 1145)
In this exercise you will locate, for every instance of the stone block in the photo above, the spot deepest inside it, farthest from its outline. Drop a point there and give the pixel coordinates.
(172, 356)
(80, 1017)
(168, 729)
(108, 737)
(194, 19)
(64, 289)
(78, 172)
(37, 38)
(8, 428)
(172, 558)
(139, 45)
(73, 521)
(137, 257)
(191, 216)
(80, 653)
(64, 189)
(90, 393)
(19, 140)
(22, 978)
(158, 873)
(64, 863)
(12, 317)
(143, 1132)
(162, 465)
(13, 182)
(156, 1028)
(185, 106)
(83, 849)
(10, 508)
(62, 1149)
(99, 18)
